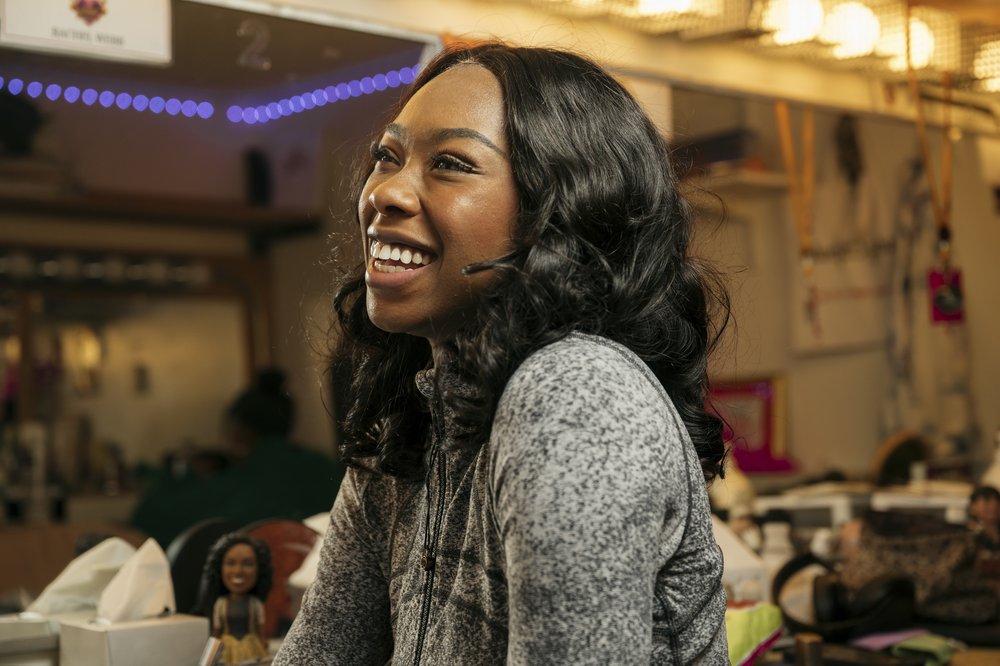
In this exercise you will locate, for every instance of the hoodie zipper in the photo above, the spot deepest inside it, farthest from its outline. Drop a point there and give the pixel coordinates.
(431, 534)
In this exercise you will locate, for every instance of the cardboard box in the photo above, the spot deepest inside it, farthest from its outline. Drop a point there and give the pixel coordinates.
(176, 640)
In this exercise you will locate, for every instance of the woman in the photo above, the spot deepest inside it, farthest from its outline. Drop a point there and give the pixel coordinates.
(534, 495)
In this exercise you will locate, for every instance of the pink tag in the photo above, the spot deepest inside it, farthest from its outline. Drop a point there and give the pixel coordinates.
(945, 289)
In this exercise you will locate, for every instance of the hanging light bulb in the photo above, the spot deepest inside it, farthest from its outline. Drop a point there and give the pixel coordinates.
(662, 7)
(702, 7)
(986, 66)
(921, 46)
(853, 28)
(793, 21)
(649, 7)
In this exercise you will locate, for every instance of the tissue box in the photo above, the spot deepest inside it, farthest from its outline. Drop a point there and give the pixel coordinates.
(177, 640)
(18, 627)
(28, 641)
(33, 639)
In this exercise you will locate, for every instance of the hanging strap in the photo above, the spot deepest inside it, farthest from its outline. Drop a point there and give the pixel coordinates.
(802, 189)
(801, 185)
(940, 199)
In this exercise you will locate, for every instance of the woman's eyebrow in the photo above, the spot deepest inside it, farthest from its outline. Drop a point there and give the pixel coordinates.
(402, 134)
(465, 133)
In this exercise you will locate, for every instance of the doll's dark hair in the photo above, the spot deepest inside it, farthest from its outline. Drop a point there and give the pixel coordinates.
(984, 493)
(212, 587)
(601, 246)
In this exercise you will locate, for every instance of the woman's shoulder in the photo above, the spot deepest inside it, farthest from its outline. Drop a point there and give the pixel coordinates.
(580, 400)
(585, 361)
(583, 374)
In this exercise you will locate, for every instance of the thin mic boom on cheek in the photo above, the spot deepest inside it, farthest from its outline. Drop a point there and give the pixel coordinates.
(503, 261)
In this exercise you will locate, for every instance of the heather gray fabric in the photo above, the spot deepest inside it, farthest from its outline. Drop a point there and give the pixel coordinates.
(579, 535)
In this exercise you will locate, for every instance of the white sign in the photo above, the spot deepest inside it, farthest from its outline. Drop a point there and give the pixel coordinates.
(137, 30)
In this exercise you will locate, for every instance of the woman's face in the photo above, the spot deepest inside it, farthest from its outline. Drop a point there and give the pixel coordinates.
(440, 197)
(239, 569)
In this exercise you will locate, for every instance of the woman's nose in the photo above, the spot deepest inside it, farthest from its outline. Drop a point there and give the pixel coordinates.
(395, 195)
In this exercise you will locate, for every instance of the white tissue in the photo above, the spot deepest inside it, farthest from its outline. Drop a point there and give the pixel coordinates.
(141, 589)
(306, 573)
(80, 584)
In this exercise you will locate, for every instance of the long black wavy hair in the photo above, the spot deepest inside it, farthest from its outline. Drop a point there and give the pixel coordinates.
(601, 246)
(212, 587)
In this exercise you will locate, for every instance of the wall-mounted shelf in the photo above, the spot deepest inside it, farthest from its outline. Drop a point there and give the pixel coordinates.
(745, 182)
(733, 184)
(265, 223)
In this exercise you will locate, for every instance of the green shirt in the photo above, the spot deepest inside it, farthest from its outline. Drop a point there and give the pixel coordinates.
(277, 480)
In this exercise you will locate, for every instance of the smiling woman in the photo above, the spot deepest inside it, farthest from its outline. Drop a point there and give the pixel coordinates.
(527, 337)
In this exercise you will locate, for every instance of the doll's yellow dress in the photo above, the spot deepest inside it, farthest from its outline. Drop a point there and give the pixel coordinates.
(249, 646)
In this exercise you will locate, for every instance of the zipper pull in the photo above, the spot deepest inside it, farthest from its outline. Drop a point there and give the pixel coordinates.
(428, 559)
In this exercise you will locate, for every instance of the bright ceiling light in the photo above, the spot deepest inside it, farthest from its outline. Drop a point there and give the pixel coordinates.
(703, 7)
(921, 46)
(793, 21)
(986, 66)
(648, 7)
(853, 28)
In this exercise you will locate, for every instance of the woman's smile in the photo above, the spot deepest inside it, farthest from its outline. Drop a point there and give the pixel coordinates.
(391, 258)
(395, 254)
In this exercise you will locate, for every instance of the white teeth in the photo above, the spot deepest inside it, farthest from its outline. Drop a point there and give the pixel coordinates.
(384, 251)
(389, 268)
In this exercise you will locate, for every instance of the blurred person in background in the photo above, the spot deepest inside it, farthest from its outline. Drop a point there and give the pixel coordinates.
(269, 476)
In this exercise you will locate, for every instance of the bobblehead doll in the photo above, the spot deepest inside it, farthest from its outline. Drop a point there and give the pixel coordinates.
(234, 583)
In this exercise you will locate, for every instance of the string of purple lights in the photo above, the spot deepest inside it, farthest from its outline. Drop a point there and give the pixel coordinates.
(190, 108)
(321, 97)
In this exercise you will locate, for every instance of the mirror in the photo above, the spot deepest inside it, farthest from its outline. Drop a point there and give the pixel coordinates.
(154, 240)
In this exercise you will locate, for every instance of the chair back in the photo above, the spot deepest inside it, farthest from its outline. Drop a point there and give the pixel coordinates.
(290, 542)
(187, 554)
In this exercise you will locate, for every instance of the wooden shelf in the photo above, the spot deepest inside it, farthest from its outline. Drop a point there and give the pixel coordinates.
(736, 181)
(175, 212)
(729, 185)
(746, 183)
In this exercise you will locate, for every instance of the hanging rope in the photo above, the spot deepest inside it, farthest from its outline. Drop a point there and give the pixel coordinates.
(940, 199)
(801, 185)
(802, 190)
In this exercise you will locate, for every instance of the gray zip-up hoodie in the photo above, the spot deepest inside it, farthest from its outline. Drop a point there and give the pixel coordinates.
(580, 534)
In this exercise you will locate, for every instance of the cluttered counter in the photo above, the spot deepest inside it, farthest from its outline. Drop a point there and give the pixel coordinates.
(885, 568)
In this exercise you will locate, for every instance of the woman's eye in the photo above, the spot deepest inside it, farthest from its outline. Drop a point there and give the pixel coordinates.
(452, 163)
(382, 154)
